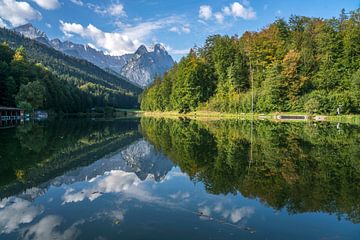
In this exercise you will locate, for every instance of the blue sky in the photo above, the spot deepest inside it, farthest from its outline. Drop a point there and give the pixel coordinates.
(120, 26)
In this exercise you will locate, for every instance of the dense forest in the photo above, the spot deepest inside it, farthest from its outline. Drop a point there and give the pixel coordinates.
(32, 86)
(300, 167)
(99, 88)
(304, 65)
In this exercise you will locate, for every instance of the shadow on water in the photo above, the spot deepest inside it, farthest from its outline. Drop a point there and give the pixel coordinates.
(302, 167)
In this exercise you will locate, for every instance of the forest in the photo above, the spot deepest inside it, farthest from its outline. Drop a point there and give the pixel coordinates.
(304, 64)
(70, 85)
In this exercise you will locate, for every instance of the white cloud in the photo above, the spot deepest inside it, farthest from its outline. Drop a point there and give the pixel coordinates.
(78, 2)
(182, 29)
(17, 13)
(219, 17)
(117, 43)
(47, 228)
(186, 29)
(179, 51)
(48, 25)
(205, 12)
(48, 4)
(241, 213)
(227, 11)
(180, 195)
(175, 30)
(115, 181)
(116, 10)
(14, 212)
(175, 52)
(238, 10)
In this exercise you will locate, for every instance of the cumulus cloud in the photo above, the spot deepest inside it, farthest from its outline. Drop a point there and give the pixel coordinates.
(219, 17)
(241, 213)
(113, 182)
(180, 195)
(17, 13)
(115, 9)
(117, 43)
(236, 10)
(186, 29)
(14, 212)
(77, 2)
(46, 228)
(239, 10)
(48, 4)
(205, 12)
(182, 29)
(173, 51)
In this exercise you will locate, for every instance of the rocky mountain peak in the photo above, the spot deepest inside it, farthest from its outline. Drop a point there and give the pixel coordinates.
(29, 31)
(140, 67)
(159, 48)
(141, 50)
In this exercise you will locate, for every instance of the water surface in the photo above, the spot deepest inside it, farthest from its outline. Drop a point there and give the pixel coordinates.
(179, 179)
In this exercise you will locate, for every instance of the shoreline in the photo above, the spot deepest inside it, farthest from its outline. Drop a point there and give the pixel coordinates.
(353, 119)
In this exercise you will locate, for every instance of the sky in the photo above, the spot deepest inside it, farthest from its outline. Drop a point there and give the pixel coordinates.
(120, 26)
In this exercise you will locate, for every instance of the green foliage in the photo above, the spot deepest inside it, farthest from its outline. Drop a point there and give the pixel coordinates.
(32, 86)
(32, 93)
(305, 64)
(115, 91)
(26, 106)
(300, 167)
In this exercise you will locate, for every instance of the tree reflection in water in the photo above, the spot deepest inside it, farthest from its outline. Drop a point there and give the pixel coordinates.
(303, 167)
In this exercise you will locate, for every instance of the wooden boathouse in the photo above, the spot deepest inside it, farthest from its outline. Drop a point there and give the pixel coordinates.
(8, 113)
(10, 117)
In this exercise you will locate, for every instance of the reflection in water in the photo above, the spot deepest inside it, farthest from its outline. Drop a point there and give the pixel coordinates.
(34, 153)
(303, 167)
(83, 179)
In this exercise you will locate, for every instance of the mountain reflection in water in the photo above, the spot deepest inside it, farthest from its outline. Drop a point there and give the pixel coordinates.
(179, 179)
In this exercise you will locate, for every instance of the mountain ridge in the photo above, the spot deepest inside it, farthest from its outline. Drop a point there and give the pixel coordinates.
(141, 67)
(109, 89)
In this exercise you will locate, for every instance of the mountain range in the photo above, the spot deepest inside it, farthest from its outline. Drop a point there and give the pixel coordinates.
(141, 67)
(105, 87)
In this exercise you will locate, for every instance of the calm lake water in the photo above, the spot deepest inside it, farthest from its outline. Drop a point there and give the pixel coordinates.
(179, 179)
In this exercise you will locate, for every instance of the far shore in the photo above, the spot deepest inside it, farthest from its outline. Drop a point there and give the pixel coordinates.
(276, 116)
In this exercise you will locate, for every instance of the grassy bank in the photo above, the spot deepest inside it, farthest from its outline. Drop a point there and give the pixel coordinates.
(353, 119)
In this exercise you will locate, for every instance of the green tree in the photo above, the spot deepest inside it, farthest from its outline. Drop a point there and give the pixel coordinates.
(32, 93)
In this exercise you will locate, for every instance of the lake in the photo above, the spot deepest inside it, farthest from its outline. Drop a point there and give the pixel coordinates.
(155, 178)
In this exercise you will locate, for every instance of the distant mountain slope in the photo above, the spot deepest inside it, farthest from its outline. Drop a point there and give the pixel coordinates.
(141, 68)
(144, 66)
(77, 71)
